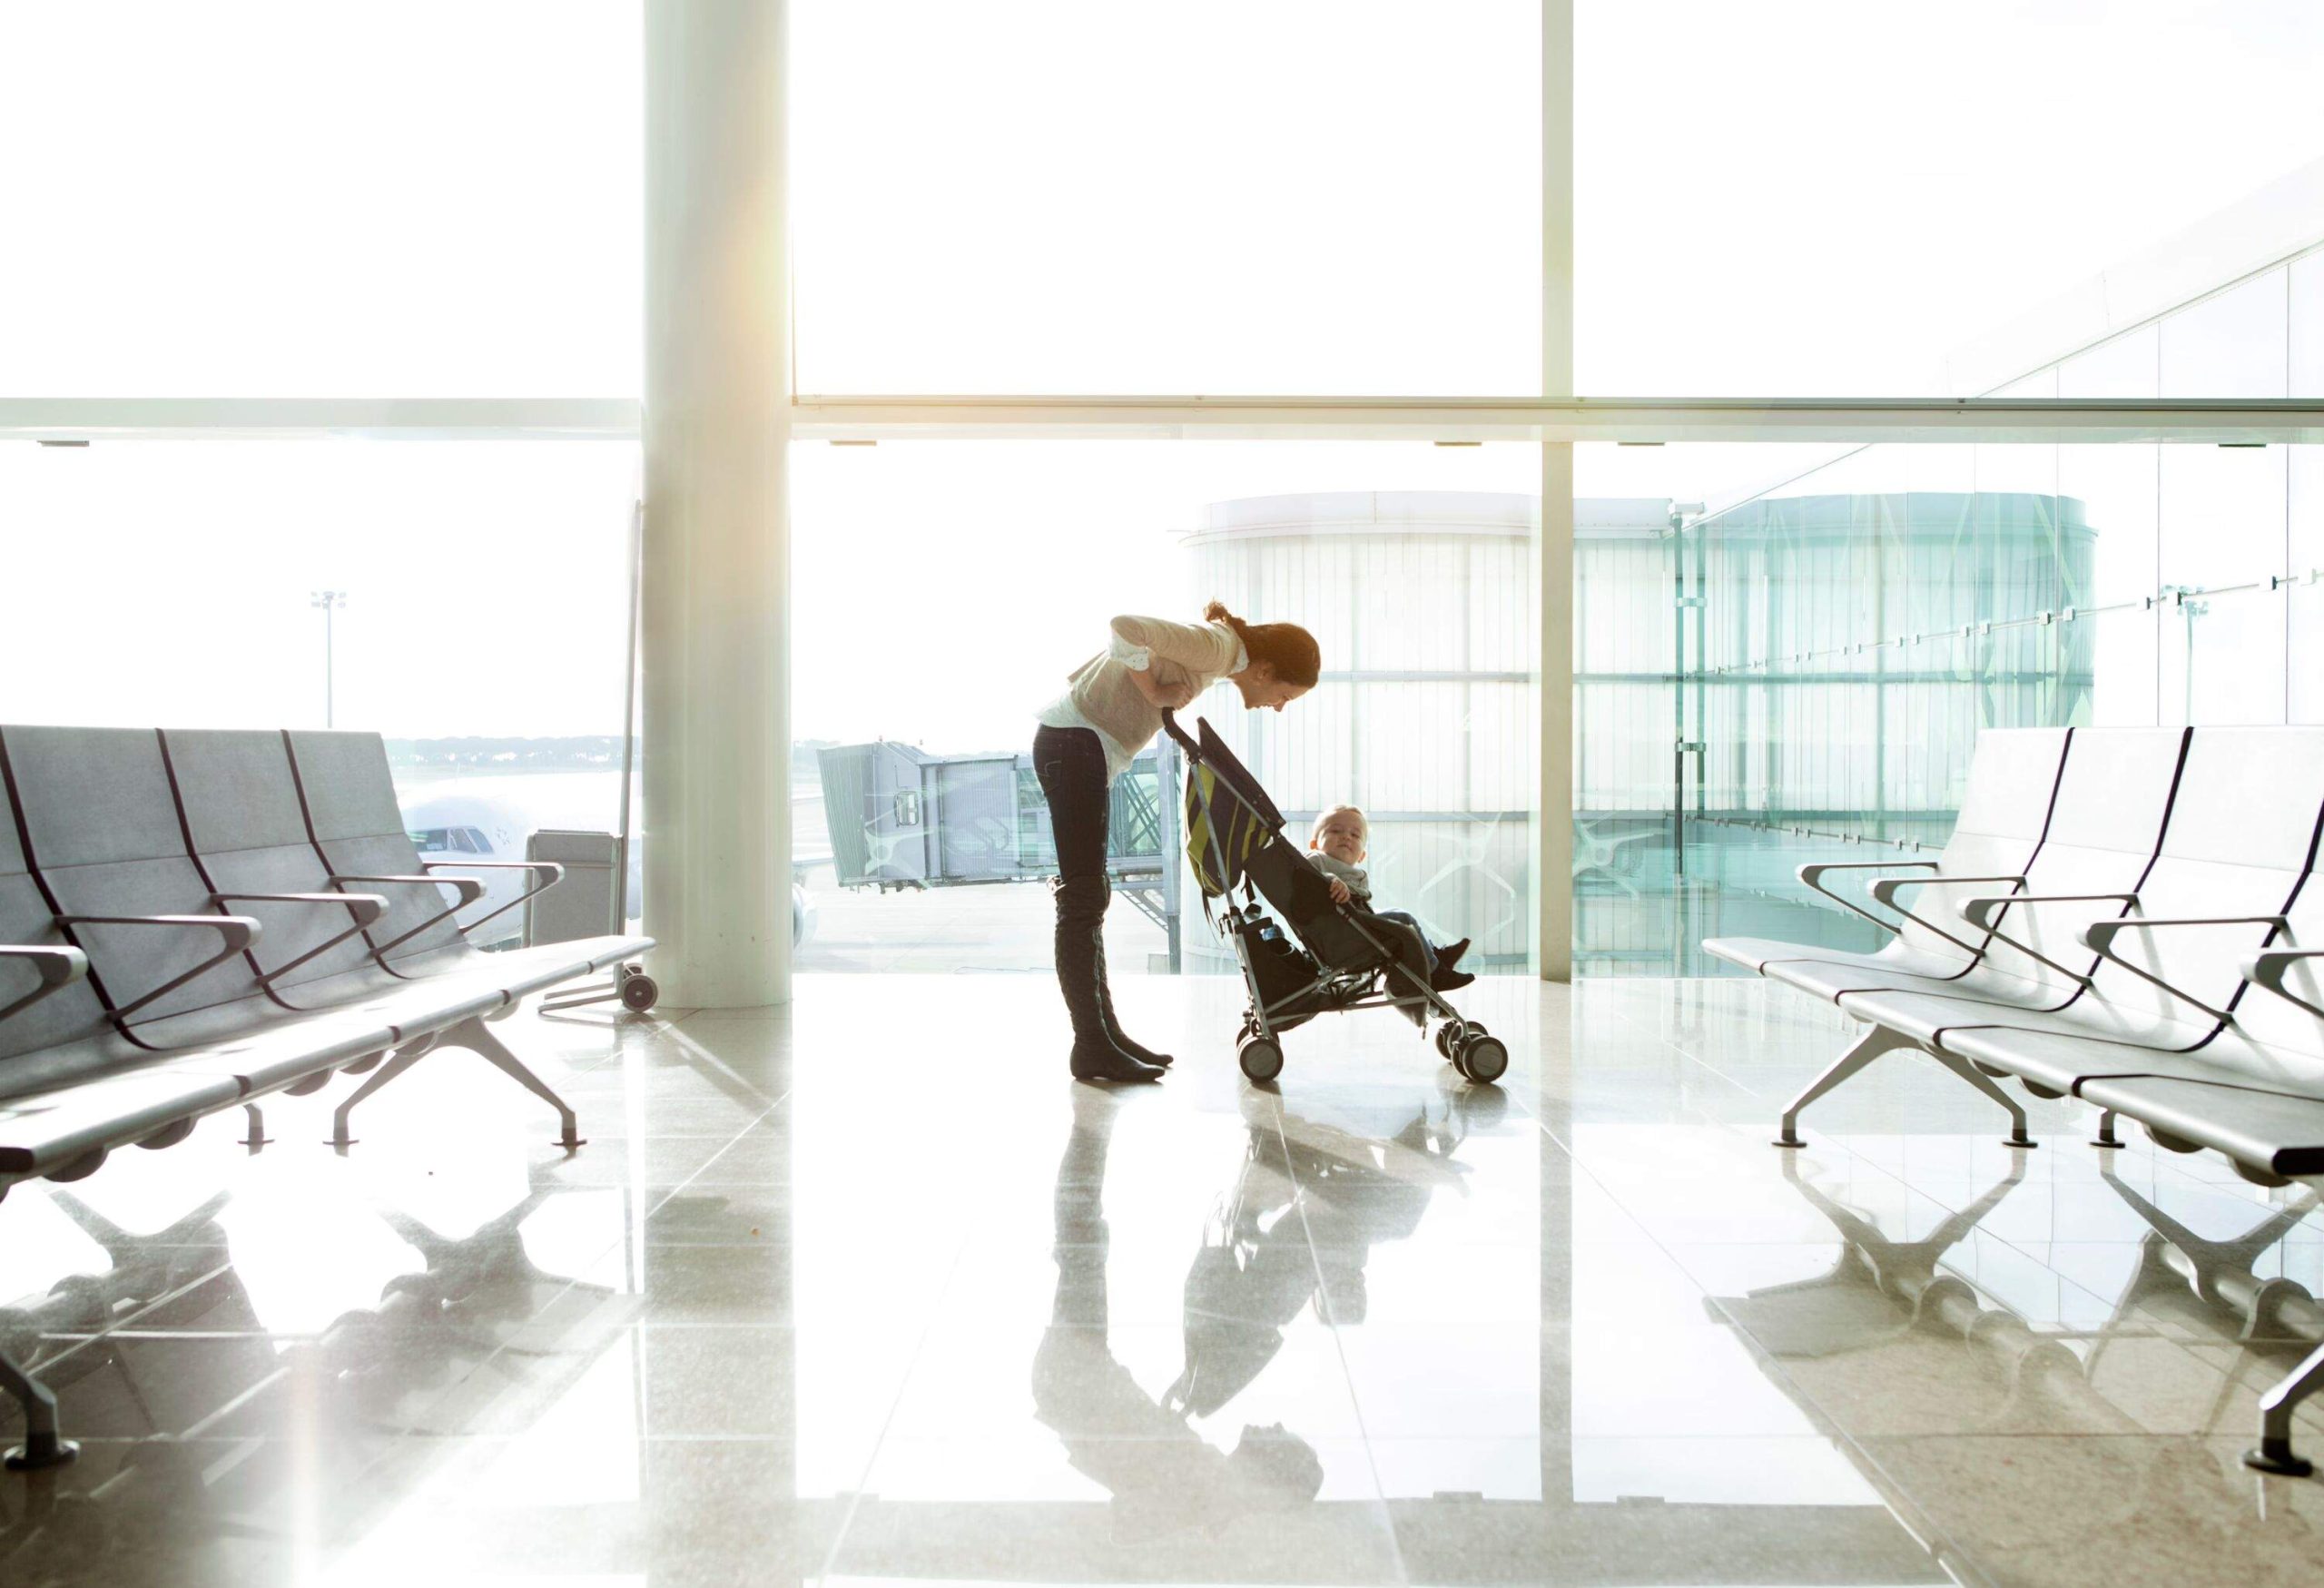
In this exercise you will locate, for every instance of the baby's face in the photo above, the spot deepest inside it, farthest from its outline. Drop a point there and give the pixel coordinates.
(1342, 838)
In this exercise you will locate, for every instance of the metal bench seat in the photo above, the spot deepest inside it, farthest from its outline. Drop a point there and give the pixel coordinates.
(2012, 785)
(192, 921)
(2278, 1132)
(43, 1132)
(2178, 989)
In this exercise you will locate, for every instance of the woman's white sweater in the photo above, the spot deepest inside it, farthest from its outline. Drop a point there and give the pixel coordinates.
(1105, 699)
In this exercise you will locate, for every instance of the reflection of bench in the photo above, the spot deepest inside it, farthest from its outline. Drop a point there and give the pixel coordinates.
(2135, 917)
(193, 920)
(160, 1345)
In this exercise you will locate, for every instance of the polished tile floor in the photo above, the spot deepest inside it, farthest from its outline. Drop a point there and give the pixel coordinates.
(866, 1290)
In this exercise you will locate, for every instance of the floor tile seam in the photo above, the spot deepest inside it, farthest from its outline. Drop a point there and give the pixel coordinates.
(1922, 1525)
(887, 1421)
(574, 1282)
(1764, 1360)
(126, 1325)
(705, 1056)
(1339, 1351)
(1885, 1172)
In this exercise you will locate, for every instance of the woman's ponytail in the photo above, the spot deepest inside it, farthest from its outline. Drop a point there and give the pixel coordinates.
(1289, 651)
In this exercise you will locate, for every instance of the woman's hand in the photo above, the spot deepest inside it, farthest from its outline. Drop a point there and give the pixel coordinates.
(1340, 894)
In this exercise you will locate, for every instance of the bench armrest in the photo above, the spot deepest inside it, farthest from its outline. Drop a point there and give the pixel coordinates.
(556, 874)
(1980, 911)
(2270, 966)
(367, 908)
(1886, 888)
(470, 889)
(1812, 877)
(239, 931)
(2099, 938)
(57, 966)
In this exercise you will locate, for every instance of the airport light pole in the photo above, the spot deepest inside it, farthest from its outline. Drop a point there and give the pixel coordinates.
(327, 602)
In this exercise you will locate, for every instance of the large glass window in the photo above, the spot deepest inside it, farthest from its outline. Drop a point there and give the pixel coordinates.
(468, 600)
(1800, 674)
(959, 582)
(1818, 197)
(1203, 196)
(271, 198)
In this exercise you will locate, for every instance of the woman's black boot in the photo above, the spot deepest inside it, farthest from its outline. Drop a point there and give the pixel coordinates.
(1114, 1032)
(1080, 977)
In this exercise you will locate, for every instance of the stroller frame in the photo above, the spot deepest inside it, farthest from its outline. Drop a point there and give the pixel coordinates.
(1465, 1044)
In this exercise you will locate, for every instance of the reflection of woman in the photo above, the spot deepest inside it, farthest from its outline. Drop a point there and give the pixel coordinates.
(1163, 1475)
(1087, 739)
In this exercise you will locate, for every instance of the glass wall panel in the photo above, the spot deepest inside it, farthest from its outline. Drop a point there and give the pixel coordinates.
(2304, 593)
(479, 621)
(271, 198)
(1800, 674)
(1201, 196)
(957, 584)
(1788, 199)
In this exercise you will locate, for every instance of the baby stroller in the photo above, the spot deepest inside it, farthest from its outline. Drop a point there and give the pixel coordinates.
(1338, 957)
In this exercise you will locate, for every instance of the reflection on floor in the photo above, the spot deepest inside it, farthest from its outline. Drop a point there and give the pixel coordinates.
(866, 1290)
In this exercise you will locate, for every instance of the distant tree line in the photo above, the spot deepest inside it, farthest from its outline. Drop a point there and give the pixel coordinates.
(572, 753)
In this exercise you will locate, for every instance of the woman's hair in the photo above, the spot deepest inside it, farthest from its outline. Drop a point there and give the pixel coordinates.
(1289, 651)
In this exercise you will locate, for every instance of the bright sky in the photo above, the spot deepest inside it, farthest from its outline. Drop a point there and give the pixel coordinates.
(441, 197)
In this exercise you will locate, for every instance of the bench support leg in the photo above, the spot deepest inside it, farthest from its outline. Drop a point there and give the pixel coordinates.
(1879, 1039)
(258, 1136)
(43, 1447)
(2106, 1137)
(1992, 1088)
(472, 1035)
(2276, 1408)
(400, 1060)
(477, 1039)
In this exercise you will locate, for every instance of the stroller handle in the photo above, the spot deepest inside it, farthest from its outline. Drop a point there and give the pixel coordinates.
(1170, 727)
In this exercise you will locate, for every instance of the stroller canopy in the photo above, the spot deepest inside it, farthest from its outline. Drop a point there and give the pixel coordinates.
(1228, 814)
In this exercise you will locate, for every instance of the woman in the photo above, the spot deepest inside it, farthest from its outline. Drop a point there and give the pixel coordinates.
(1087, 739)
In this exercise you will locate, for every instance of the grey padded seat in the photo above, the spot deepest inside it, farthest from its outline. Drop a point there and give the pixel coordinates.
(2013, 783)
(2105, 829)
(69, 1083)
(99, 821)
(241, 796)
(2241, 836)
(349, 798)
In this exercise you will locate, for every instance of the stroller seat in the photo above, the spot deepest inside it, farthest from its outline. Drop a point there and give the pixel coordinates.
(1325, 957)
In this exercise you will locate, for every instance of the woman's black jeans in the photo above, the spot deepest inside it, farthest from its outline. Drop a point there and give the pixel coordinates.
(1071, 766)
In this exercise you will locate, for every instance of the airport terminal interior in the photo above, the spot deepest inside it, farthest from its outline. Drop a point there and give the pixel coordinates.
(537, 535)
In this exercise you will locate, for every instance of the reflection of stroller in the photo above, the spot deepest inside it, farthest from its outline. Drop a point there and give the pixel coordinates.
(1350, 959)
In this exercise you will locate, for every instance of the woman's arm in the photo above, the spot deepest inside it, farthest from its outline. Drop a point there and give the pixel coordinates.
(1207, 649)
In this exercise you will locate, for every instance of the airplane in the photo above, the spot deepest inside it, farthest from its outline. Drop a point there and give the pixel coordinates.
(492, 818)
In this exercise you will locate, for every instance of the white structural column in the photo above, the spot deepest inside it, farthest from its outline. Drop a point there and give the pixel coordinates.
(1553, 852)
(715, 634)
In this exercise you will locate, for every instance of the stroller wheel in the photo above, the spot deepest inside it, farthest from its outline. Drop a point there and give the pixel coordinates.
(1482, 1059)
(1261, 1057)
(1444, 1041)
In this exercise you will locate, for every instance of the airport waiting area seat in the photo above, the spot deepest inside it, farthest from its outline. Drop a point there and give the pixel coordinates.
(191, 920)
(2153, 948)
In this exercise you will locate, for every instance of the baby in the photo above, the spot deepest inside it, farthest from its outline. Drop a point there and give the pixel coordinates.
(1336, 847)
